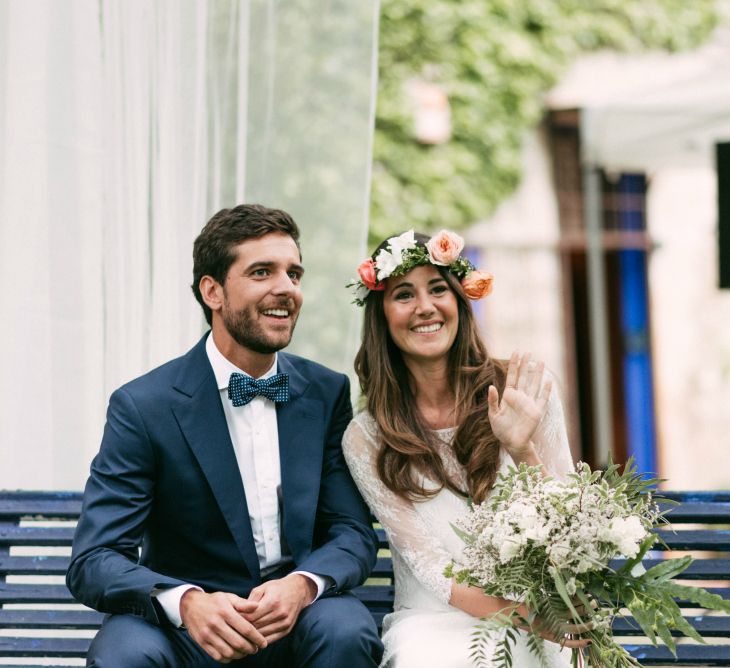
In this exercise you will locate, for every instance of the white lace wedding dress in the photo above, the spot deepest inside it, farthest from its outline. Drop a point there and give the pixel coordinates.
(425, 631)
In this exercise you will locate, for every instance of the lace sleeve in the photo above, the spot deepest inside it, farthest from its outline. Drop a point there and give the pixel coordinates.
(551, 438)
(406, 530)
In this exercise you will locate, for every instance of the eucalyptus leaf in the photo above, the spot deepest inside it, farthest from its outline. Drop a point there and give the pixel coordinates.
(563, 591)
(466, 537)
(667, 569)
(687, 629)
(702, 597)
(645, 620)
(666, 635)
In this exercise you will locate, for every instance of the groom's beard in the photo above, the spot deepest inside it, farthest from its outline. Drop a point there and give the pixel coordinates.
(246, 330)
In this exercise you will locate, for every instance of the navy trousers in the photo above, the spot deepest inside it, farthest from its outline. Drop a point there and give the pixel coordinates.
(332, 632)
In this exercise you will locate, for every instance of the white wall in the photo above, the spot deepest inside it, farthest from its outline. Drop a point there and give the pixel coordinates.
(690, 330)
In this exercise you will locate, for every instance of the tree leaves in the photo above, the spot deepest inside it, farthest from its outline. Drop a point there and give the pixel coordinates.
(494, 60)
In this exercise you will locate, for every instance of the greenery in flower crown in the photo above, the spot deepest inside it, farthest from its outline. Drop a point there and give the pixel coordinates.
(414, 257)
(410, 258)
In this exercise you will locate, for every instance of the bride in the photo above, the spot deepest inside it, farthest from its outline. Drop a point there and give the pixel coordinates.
(442, 420)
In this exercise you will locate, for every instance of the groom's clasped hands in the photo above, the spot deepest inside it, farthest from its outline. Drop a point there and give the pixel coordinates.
(229, 627)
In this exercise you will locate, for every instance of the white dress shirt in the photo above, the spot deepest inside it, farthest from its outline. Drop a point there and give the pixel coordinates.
(255, 436)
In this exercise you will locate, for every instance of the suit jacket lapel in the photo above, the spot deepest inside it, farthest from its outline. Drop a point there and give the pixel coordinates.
(300, 426)
(203, 423)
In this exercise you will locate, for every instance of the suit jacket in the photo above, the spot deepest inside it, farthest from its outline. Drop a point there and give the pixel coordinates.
(166, 480)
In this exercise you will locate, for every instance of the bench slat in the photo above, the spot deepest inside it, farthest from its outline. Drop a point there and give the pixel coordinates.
(703, 496)
(11, 534)
(687, 655)
(383, 568)
(49, 505)
(34, 593)
(50, 619)
(711, 627)
(714, 540)
(382, 539)
(42, 647)
(700, 512)
(34, 565)
(376, 596)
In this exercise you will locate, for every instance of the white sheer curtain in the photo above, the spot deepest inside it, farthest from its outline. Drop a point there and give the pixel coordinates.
(123, 127)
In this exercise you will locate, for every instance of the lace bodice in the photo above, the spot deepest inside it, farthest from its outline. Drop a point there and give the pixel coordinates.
(420, 534)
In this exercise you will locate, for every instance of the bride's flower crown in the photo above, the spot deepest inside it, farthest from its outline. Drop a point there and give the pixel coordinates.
(403, 253)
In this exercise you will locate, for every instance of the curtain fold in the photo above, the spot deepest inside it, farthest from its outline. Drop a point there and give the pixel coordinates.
(123, 127)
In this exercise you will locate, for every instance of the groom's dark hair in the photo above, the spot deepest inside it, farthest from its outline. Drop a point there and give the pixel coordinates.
(213, 252)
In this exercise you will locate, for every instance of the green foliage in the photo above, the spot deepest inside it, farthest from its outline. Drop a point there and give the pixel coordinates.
(494, 59)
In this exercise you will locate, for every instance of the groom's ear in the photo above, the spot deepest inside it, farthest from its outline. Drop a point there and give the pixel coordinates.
(212, 293)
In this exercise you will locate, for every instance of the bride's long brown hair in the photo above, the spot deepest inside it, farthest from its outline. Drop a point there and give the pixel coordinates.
(406, 442)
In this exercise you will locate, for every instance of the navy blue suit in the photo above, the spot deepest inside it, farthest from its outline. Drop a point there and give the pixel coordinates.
(166, 479)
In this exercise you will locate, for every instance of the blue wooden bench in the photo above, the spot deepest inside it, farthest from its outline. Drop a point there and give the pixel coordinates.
(37, 613)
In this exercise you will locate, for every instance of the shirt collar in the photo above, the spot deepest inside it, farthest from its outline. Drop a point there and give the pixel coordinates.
(223, 368)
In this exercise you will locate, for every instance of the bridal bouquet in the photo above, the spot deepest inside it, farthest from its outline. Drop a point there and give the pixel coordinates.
(550, 545)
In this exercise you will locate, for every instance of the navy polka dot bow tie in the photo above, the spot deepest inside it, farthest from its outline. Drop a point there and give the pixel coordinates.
(243, 388)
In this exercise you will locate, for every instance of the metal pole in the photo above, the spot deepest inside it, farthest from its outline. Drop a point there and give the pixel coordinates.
(598, 325)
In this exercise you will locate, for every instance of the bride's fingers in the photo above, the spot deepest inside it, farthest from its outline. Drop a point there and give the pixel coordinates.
(544, 395)
(523, 376)
(534, 378)
(576, 629)
(512, 370)
(566, 639)
(492, 400)
(577, 643)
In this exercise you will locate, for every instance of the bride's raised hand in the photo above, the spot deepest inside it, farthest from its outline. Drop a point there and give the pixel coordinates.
(515, 415)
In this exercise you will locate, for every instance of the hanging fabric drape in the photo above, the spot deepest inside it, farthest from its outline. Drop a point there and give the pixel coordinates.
(123, 127)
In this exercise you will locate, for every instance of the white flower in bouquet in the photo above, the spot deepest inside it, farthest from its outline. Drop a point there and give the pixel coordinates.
(552, 545)
(626, 533)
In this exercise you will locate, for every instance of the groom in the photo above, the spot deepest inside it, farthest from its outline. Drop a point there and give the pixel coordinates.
(224, 466)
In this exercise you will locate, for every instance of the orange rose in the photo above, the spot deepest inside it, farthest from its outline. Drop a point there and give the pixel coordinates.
(444, 247)
(477, 284)
(366, 270)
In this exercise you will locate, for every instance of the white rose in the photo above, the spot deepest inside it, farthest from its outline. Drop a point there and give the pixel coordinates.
(509, 549)
(385, 263)
(632, 532)
(539, 533)
(404, 242)
(526, 515)
(625, 533)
